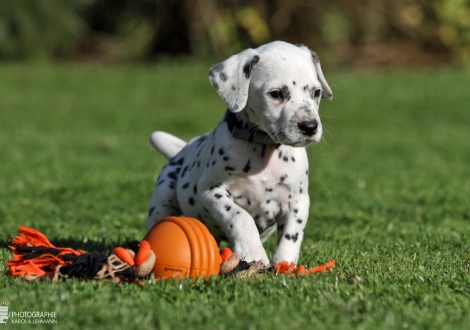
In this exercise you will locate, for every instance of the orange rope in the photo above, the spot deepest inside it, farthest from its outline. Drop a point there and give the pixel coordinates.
(40, 265)
(290, 269)
(225, 254)
(143, 253)
(124, 255)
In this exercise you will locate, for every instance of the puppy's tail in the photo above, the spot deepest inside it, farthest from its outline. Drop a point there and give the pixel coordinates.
(167, 144)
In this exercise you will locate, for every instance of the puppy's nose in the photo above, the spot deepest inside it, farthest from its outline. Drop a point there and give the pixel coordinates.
(308, 127)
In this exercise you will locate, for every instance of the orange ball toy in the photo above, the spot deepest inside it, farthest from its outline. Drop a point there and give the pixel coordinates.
(183, 247)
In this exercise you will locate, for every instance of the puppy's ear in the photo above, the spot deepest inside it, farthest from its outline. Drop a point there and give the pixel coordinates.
(326, 93)
(231, 78)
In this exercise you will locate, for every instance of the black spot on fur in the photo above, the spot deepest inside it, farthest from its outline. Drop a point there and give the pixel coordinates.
(231, 225)
(151, 210)
(249, 66)
(296, 210)
(293, 159)
(226, 158)
(216, 68)
(285, 158)
(186, 185)
(172, 185)
(233, 88)
(248, 201)
(293, 83)
(283, 177)
(221, 151)
(229, 168)
(212, 150)
(174, 161)
(200, 140)
(247, 167)
(286, 93)
(160, 182)
(263, 150)
(184, 171)
(295, 237)
(269, 189)
(218, 196)
(280, 154)
(315, 57)
(229, 194)
(191, 201)
(287, 237)
(228, 208)
(213, 162)
(223, 76)
(299, 220)
(268, 201)
(256, 217)
(195, 189)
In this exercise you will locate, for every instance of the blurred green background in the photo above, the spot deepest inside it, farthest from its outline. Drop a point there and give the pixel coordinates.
(365, 33)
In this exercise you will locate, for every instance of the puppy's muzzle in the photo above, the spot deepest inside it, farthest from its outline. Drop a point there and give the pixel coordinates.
(308, 128)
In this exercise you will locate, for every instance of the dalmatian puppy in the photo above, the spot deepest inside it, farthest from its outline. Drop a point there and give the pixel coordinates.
(249, 176)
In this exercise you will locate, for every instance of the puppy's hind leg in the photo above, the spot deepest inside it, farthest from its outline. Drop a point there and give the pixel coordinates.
(164, 201)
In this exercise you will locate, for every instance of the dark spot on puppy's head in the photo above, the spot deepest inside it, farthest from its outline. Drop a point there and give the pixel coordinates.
(286, 93)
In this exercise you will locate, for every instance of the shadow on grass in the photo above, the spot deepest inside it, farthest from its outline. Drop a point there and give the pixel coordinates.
(101, 246)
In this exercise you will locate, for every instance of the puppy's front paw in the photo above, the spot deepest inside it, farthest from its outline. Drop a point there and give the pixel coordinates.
(252, 254)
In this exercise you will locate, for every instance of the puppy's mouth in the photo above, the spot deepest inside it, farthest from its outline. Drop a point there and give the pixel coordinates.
(295, 140)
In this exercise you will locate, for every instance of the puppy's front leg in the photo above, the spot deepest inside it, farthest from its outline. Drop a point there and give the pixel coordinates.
(291, 231)
(237, 224)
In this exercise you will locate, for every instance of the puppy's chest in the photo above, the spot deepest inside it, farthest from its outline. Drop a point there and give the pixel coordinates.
(266, 192)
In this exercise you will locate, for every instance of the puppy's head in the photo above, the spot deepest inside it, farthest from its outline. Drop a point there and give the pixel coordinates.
(279, 86)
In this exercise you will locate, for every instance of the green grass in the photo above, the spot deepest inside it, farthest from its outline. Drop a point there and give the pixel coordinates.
(389, 184)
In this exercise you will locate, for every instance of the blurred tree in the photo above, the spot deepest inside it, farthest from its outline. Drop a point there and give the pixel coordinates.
(38, 28)
(343, 32)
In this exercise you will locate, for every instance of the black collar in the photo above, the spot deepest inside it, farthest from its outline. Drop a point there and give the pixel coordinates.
(247, 134)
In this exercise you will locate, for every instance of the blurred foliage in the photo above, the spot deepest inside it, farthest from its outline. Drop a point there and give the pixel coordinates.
(352, 33)
(38, 28)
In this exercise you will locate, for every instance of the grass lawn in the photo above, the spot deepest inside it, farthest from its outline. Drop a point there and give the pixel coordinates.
(389, 184)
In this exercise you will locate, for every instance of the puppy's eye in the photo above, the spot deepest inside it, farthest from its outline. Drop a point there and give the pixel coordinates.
(317, 93)
(276, 94)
